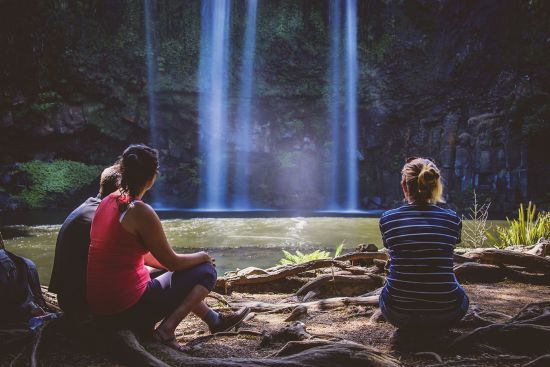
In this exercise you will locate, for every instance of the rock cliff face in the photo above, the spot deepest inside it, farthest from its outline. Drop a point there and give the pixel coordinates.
(464, 82)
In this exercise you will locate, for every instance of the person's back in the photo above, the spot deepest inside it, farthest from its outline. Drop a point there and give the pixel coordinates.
(421, 287)
(68, 279)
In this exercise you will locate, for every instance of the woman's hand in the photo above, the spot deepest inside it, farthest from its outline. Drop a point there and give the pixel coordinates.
(206, 257)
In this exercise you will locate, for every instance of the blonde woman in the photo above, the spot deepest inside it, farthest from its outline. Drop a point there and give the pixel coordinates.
(421, 288)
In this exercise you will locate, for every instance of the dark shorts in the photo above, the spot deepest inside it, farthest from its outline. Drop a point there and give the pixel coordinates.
(433, 321)
(165, 292)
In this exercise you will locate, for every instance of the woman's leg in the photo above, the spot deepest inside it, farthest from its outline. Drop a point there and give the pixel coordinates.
(193, 300)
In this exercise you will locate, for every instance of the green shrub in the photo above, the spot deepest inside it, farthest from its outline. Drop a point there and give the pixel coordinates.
(50, 180)
(299, 257)
(526, 230)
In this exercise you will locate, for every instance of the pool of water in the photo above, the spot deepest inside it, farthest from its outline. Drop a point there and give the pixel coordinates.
(234, 242)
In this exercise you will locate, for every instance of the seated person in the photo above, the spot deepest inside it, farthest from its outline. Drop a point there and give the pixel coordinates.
(126, 236)
(68, 278)
(421, 288)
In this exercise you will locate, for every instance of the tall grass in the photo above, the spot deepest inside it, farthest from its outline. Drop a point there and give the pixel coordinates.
(526, 230)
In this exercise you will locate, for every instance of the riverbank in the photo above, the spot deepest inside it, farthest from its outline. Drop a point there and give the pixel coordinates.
(325, 313)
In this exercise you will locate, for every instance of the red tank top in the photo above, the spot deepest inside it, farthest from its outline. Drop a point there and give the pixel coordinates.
(117, 276)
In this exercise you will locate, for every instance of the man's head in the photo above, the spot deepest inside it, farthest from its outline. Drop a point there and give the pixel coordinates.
(109, 180)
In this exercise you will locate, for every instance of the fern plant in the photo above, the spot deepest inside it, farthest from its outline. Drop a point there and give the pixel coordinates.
(299, 257)
(526, 230)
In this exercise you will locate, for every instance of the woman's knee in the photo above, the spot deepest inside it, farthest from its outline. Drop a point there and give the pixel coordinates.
(204, 274)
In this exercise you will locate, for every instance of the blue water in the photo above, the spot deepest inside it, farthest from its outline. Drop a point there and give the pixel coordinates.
(151, 80)
(213, 87)
(335, 76)
(351, 104)
(343, 185)
(243, 134)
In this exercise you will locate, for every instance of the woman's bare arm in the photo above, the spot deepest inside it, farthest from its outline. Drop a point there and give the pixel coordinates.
(142, 221)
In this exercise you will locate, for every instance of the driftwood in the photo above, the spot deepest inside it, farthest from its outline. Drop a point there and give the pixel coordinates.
(341, 285)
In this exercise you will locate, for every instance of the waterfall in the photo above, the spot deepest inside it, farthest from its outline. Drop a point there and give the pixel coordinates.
(336, 174)
(342, 190)
(243, 141)
(151, 80)
(213, 89)
(351, 104)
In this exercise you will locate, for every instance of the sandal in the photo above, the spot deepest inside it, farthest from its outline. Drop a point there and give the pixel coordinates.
(171, 342)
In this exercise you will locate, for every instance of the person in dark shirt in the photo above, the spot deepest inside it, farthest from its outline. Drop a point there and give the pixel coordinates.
(421, 288)
(68, 278)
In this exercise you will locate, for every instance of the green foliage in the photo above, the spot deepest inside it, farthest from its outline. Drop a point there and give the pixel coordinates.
(46, 101)
(526, 230)
(299, 257)
(49, 180)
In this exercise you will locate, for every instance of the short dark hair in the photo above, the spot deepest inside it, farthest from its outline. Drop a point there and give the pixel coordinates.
(108, 182)
(138, 164)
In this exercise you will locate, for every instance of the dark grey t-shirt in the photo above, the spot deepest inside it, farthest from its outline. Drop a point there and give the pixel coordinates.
(68, 278)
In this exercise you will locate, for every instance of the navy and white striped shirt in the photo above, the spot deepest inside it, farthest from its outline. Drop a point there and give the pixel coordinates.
(421, 241)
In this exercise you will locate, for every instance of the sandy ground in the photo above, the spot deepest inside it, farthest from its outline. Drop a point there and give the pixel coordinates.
(351, 323)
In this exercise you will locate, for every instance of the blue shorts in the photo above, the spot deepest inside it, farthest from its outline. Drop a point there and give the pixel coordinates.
(433, 321)
(165, 292)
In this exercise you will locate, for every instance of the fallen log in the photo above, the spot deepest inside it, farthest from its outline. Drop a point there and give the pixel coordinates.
(532, 263)
(341, 285)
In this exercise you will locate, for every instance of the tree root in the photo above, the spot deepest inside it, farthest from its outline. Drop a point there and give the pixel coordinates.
(205, 338)
(226, 284)
(324, 304)
(527, 332)
(345, 285)
(532, 263)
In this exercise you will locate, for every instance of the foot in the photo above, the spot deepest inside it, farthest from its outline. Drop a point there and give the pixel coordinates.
(170, 341)
(229, 321)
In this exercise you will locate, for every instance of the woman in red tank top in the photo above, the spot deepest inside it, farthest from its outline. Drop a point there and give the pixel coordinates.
(127, 235)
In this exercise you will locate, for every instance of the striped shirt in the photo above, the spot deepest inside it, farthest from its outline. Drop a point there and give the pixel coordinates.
(421, 241)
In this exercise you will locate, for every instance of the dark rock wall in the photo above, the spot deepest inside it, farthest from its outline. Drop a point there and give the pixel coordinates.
(465, 82)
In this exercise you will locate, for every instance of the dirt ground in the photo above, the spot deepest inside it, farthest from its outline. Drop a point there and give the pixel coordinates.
(351, 323)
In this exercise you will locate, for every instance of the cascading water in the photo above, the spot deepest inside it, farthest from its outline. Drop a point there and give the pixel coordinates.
(213, 87)
(243, 141)
(151, 80)
(351, 104)
(336, 174)
(342, 193)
